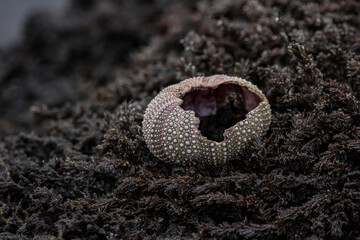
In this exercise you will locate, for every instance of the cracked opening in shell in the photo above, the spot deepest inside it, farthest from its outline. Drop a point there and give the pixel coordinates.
(220, 108)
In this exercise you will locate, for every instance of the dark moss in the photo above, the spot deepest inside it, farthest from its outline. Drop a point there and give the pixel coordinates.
(81, 169)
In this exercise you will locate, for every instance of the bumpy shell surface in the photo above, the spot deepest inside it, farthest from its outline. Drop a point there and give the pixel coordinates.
(172, 135)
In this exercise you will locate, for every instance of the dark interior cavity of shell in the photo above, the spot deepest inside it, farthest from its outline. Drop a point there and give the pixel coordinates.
(209, 118)
(220, 107)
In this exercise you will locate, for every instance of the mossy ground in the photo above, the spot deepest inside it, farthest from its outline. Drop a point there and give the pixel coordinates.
(73, 162)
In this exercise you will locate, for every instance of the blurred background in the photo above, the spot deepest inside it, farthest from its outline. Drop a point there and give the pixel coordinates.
(58, 53)
(13, 14)
(19, 33)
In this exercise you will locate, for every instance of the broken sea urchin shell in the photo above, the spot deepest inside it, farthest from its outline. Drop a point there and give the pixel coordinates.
(208, 118)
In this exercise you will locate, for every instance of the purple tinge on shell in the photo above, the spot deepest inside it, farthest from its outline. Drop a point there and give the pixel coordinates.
(172, 128)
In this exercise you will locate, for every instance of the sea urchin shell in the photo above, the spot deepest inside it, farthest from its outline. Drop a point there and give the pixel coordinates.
(208, 118)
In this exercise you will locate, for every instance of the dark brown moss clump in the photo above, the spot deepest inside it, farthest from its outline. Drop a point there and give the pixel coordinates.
(82, 170)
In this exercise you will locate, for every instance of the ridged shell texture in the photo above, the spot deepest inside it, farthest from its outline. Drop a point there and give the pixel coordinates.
(172, 135)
